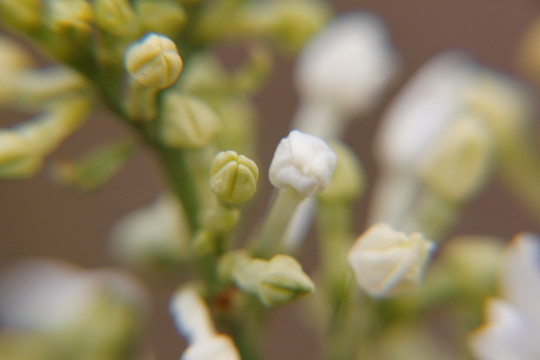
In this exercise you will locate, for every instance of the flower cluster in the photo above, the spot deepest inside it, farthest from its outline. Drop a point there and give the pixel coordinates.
(156, 65)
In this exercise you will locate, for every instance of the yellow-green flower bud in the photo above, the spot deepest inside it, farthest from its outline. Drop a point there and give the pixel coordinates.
(71, 17)
(23, 14)
(154, 61)
(282, 281)
(233, 177)
(274, 282)
(348, 181)
(504, 105)
(166, 17)
(460, 162)
(115, 16)
(18, 157)
(289, 23)
(187, 122)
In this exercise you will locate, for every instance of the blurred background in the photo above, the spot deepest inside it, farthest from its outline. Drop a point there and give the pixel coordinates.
(40, 218)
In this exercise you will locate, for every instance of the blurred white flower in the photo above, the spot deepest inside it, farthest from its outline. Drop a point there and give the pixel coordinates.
(303, 162)
(424, 109)
(513, 324)
(152, 236)
(96, 314)
(192, 318)
(346, 67)
(386, 262)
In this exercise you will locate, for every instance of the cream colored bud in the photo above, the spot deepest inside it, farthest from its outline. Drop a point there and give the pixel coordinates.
(18, 156)
(387, 262)
(460, 161)
(187, 122)
(233, 177)
(68, 16)
(505, 105)
(348, 181)
(303, 162)
(115, 16)
(274, 282)
(161, 16)
(154, 61)
(219, 347)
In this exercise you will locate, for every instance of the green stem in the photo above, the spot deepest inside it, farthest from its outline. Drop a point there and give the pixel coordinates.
(334, 225)
(181, 182)
(270, 239)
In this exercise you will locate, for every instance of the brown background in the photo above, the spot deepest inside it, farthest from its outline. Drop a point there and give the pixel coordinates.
(38, 218)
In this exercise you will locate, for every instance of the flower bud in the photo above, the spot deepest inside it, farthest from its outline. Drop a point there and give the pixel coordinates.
(303, 162)
(187, 122)
(233, 177)
(386, 262)
(193, 320)
(18, 157)
(161, 16)
(115, 16)
(71, 17)
(154, 61)
(152, 237)
(219, 347)
(282, 281)
(460, 161)
(347, 65)
(289, 23)
(505, 105)
(274, 282)
(348, 181)
(191, 315)
(423, 110)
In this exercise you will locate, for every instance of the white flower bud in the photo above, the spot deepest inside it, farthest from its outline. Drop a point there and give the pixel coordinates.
(347, 65)
(192, 318)
(219, 347)
(387, 262)
(233, 177)
(303, 162)
(154, 61)
(187, 122)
